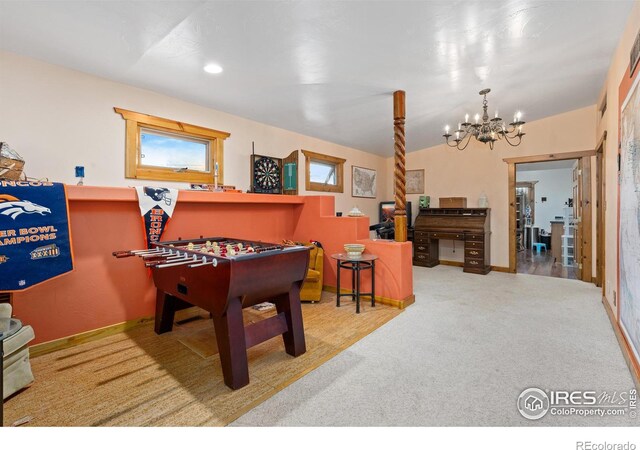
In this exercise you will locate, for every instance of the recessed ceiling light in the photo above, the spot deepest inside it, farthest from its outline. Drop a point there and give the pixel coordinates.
(212, 68)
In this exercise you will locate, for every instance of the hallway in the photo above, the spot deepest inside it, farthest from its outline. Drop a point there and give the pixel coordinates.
(533, 263)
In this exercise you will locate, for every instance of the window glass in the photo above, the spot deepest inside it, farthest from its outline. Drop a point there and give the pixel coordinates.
(324, 173)
(166, 150)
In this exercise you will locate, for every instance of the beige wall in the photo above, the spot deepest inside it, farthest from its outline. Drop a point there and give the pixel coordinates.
(469, 173)
(609, 123)
(58, 118)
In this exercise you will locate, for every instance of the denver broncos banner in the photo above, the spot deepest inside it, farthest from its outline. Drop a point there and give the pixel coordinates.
(156, 207)
(35, 242)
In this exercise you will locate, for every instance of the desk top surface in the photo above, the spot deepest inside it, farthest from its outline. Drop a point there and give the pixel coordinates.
(9, 327)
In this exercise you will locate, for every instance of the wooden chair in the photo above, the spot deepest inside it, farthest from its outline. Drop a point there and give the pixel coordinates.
(312, 287)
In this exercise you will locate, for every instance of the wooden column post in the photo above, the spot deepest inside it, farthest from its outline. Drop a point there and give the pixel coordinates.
(399, 171)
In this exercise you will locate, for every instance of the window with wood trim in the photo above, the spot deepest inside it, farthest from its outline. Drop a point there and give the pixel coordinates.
(167, 150)
(323, 173)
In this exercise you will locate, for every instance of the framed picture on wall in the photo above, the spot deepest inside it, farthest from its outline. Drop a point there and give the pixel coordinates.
(415, 181)
(388, 212)
(628, 213)
(363, 182)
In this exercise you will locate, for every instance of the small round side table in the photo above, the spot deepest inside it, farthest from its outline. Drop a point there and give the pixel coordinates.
(356, 265)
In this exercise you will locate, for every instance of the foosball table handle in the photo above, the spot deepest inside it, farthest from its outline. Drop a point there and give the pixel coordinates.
(122, 253)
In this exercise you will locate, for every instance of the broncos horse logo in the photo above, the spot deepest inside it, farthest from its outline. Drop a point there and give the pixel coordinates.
(12, 206)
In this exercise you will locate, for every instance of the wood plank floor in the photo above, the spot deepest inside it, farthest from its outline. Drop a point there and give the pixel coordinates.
(138, 378)
(542, 263)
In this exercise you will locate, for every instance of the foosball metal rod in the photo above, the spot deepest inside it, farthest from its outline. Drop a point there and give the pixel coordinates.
(177, 263)
(176, 257)
(213, 262)
(148, 251)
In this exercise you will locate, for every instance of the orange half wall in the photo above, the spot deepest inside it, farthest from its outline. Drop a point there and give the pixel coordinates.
(103, 290)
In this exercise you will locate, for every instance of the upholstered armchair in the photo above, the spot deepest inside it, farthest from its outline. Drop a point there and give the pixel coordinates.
(16, 366)
(312, 287)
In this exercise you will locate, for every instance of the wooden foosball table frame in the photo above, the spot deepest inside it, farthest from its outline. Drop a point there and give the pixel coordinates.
(225, 283)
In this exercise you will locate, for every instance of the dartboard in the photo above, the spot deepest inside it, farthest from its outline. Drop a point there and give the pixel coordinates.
(266, 175)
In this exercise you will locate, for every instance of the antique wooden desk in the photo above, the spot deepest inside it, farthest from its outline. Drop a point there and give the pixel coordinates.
(470, 225)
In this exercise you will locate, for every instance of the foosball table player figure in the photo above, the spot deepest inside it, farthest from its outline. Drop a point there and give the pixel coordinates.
(223, 276)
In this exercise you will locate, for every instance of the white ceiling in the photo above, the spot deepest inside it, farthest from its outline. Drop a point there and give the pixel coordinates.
(547, 165)
(328, 69)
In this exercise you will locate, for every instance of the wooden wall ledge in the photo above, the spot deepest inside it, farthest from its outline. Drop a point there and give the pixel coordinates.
(128, 194)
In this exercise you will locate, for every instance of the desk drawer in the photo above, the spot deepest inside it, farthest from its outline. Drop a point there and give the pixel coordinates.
(420, 235)
(474, 237)
(474, 253)
(472, 244)
(421, 257)
(440, 235)
(420, 247)
(472, 262)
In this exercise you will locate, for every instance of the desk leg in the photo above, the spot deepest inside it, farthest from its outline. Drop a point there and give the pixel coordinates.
(338, 288)
(357, 294)
(373, 283)
(232, 345)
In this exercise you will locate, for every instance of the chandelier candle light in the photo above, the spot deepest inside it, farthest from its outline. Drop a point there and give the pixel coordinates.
(489, 130)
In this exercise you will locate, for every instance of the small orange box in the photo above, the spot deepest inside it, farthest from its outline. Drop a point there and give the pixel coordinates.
(453, 202)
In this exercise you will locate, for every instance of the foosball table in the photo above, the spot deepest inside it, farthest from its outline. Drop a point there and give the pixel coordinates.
(223, 276)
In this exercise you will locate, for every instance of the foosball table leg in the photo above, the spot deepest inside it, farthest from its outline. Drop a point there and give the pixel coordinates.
(293, 338)
(232, 345)
(166, 307)
(165, 312)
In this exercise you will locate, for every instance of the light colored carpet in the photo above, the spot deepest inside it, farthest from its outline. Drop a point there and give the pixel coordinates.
(461, 355)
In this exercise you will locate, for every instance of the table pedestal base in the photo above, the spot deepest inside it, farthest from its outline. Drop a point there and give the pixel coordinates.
(356, 266)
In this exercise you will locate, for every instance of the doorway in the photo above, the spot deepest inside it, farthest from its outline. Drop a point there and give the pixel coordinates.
(533, 210)
(546, 219)
(600, 208)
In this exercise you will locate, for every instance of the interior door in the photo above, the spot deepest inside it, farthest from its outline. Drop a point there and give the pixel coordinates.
(600, 222)
(577, 215)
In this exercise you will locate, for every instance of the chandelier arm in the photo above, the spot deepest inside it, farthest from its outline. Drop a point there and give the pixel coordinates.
(450, 144)
(508, 140)
(468, 137)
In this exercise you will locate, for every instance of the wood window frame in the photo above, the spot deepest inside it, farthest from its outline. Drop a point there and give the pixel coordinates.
(321, 187)
(136, 121)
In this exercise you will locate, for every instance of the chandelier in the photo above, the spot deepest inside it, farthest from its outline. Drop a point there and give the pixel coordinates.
(487, 131)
